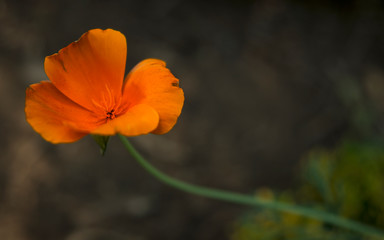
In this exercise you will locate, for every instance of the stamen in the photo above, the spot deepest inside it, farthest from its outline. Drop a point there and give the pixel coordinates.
(111, 115)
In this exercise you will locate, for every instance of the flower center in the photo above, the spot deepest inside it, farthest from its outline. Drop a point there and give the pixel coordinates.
(111, 115)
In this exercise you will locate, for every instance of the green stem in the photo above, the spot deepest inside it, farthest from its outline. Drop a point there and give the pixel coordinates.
(252, 200)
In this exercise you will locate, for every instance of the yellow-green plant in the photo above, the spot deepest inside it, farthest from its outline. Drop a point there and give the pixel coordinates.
(347, 181)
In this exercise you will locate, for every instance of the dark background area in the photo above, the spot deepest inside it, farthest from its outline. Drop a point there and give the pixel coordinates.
(264, 81)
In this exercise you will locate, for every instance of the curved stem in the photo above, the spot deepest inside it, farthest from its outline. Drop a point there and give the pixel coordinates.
(252, 200)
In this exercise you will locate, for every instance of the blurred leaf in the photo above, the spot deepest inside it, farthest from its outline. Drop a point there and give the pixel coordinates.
(347, 180)
(102, 141)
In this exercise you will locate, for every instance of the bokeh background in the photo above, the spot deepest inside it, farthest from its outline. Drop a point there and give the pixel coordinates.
(265, 83)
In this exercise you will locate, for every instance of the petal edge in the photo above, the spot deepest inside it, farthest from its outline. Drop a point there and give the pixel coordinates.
(51, 114)
(151, 83)
(91, 69)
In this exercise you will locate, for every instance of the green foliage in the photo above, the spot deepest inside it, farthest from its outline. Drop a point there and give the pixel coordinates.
(348, 181)
(102, 141)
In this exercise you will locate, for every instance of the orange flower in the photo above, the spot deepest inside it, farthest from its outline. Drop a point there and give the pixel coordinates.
(87, 93)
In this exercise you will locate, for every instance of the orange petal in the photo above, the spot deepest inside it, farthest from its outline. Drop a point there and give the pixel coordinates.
(140, 119)
(151, 83)
(54, 116)
(91, 70)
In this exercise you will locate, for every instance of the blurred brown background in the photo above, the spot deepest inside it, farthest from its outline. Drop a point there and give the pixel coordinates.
(265, 81)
